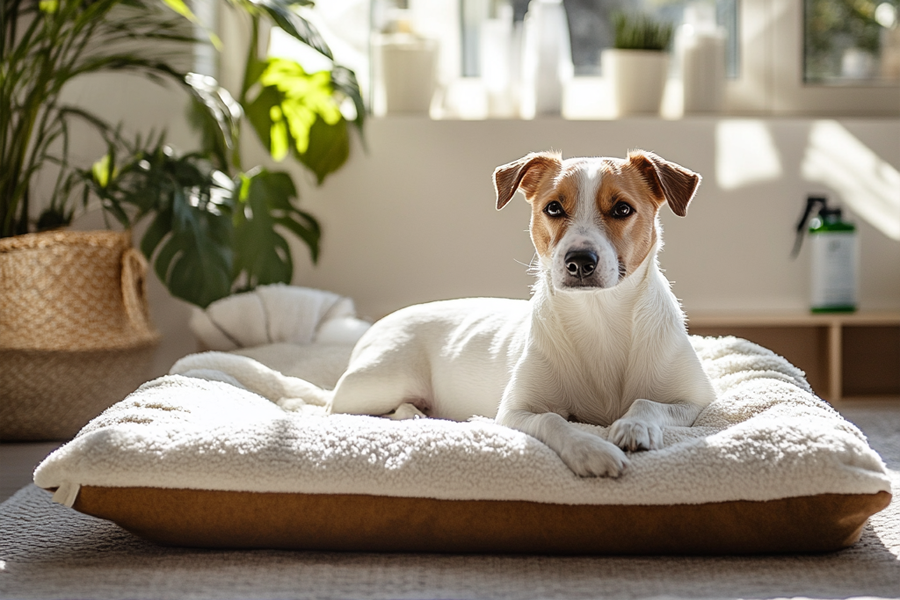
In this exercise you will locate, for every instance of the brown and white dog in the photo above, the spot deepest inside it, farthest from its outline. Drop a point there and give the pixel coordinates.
(601, 341)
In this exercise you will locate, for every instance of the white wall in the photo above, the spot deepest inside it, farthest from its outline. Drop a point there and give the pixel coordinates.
(413, 219)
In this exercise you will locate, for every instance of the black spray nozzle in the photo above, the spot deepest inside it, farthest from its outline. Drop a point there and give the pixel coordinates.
(811, 203)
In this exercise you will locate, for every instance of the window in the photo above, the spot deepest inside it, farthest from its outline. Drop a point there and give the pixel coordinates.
(850, 41)
(798, 89)
(784, 57)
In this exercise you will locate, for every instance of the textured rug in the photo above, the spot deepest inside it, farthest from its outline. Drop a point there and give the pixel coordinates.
(48, 551)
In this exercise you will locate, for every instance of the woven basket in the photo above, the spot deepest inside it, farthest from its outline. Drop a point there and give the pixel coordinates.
(75, 332)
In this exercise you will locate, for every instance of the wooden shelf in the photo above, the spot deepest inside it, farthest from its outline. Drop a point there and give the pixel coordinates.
(844, 355)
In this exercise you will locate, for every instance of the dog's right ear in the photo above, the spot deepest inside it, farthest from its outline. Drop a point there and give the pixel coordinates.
(524, 173)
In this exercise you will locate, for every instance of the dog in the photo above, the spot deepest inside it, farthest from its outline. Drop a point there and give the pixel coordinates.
(601, 341)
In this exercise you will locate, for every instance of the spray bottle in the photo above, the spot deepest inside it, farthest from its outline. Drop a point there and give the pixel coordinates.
(834, 248)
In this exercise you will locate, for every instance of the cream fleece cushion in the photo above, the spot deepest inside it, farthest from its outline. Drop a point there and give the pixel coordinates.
(766, 437)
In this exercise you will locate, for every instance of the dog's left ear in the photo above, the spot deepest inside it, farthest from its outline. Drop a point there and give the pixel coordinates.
(668, 181)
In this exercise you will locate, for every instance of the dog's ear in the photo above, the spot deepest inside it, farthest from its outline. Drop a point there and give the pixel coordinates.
(524, 173)
(668, 181)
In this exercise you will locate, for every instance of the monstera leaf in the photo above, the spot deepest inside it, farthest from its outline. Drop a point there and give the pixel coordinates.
(209, 235)
(262, 254)
(297, 112)
(283, 14)
(329, 148)
(193, 249)
(191, 235)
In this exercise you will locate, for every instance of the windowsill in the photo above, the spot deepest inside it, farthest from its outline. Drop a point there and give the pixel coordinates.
(686, 119)
(590, 99)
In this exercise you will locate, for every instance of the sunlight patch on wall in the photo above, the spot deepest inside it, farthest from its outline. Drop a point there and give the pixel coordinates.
(745, 154)
(867, 184)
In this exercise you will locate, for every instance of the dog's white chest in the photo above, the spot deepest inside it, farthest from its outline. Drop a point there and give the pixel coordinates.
(587, 350)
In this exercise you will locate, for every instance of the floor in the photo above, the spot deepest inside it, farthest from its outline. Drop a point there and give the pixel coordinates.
(17, 463)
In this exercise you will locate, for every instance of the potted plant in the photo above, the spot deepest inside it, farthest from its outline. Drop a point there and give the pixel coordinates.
(292, 111)
(242, 211)
(212, 221)
(637, 64)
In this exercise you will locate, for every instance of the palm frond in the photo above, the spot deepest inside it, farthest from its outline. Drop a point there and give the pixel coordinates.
(44, 46)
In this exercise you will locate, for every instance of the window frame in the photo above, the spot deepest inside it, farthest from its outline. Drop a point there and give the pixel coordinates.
(751, 91)
(767, 85)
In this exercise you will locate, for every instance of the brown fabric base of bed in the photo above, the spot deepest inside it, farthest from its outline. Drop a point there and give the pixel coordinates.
(220, 519)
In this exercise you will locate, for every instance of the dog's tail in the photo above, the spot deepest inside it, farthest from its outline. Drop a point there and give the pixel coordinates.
(288, 392)
(300, 391)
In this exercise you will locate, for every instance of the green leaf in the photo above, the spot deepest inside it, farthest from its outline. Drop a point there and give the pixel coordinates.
(259, 113)
(262, 254)
(219, 106)
(195, 261)
(329, 148)
(299, 120)
(253, 72)
(311, 90)
(53, 42)
(278, 189)
(180, 7)
(198, 274)
(116, 210)
(344, 81)
(189, 239)
(103, 171)
(304, 226)
(164, 260)
(159, 227)
(279, 141)
(287, 110)
(295, 25)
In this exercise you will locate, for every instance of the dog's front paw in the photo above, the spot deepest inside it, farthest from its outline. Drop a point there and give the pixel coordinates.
(589, 456)
(632, 434)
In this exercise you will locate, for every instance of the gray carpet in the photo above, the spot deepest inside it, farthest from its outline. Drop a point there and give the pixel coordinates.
(47, 551)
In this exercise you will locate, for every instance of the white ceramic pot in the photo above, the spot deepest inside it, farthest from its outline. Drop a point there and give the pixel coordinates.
(637, 79)
(405, 73)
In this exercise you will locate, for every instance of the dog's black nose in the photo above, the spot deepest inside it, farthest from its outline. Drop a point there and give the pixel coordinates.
(581, 263)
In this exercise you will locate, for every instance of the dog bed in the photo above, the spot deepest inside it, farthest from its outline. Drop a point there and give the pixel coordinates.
(204, 461)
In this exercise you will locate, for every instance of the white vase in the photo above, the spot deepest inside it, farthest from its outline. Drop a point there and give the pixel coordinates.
(637, 79)
(700, 51)
(546, 58)
(405, 73)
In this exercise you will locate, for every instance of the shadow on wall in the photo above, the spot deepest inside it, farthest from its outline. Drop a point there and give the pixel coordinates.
(746, 154)
(865, 182)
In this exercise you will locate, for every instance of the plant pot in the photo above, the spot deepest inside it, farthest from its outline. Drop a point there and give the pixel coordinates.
(406, 73)
(637, 79)
(75, 333)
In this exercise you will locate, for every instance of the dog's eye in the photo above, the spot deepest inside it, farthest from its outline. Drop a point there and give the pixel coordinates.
(554, 209)
(622, 210)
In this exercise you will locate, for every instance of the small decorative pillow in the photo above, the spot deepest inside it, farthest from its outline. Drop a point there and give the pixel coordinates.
(766, 468)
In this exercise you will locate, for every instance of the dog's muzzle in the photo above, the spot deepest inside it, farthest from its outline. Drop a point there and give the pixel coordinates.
(581, 264)
(587, 268)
